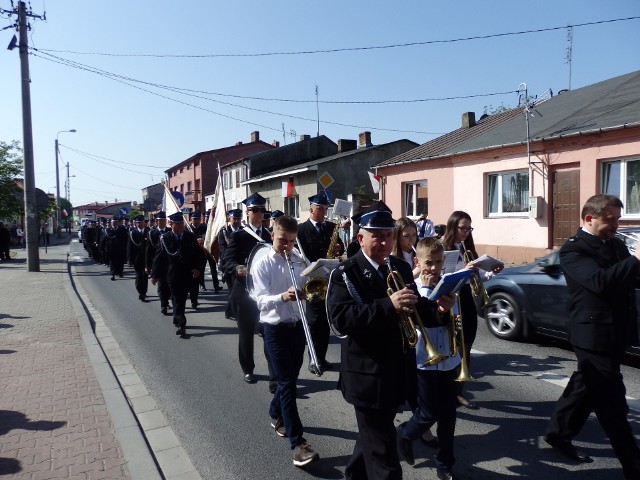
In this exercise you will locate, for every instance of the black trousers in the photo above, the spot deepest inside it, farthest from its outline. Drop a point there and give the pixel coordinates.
(375, 455)
(247, 315)
(469, 325)
(214, 273)
(597, 386)
(179, 293)
(142, 279)
(194, 289)
(318, 328)
(164, 293)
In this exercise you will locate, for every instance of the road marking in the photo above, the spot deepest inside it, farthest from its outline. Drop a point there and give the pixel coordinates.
(563, 380)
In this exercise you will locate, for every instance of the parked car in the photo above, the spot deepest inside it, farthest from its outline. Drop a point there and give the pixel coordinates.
(534, 299)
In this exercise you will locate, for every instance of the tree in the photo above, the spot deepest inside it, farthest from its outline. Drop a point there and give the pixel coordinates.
(11, 164)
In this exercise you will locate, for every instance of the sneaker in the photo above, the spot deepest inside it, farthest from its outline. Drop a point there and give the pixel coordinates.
(278, 426)
(303, 454)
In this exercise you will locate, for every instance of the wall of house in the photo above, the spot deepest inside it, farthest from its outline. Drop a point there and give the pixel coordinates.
(515, 239)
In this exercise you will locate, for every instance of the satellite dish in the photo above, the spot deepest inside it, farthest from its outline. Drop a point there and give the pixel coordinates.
(134, 203)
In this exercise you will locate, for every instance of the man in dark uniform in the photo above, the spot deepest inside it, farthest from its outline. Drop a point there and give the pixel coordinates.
(136, 250)
(179, 258)
(118, 237)
(199, 230)
(153, 244)
(375, 370)
(212, 257)
(88, 236)
(244, 307)
(95, 245)
(314, 237)
(234, 218)
(602, 277)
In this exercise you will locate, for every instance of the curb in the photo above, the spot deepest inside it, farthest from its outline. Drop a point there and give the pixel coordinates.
(150, 446)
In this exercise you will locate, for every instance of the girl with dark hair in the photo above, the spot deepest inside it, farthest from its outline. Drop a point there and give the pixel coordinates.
(458, 236)
(406, 237)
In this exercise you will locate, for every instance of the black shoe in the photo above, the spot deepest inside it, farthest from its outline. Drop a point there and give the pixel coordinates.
(194, 306)
(142, 297)
(273, 385)
(250, 378)
(445, 473)
(567, 449)
(218, 289)
(163, 310)
(113, 278)
(203, 288)
(120, 275)
(405, 448)
(181, 331)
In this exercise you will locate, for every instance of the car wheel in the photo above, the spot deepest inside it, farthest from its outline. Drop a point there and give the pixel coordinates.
(504, 318)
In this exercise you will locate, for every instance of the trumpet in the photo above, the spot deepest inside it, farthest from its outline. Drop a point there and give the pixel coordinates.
(408, 322)
(631, 240)
(314, 365)
(476, 283)
(455, 330)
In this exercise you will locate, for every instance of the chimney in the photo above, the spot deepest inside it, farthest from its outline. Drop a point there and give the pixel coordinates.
(364, 140)
(275, 143)
(304, 137)
(346, 145)
(255, 137)
(468, 119)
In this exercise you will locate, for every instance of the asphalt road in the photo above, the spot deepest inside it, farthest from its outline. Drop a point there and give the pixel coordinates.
(223, 423)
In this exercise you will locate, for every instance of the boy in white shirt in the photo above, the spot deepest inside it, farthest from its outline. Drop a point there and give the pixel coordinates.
(437, 388)
(283, 332)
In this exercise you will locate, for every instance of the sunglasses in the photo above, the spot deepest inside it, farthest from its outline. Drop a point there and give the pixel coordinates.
(257, 210)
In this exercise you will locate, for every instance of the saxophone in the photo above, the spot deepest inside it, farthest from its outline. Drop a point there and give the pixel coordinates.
(315, 290)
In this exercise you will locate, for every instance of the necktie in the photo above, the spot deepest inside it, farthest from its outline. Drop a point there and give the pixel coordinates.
(179, 237)
(383, 270)
(259, 233)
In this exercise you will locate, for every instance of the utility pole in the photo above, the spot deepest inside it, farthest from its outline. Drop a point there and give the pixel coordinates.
(32, 229)
(58, 229)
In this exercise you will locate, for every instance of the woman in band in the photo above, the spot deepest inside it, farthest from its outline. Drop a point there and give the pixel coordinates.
(457, 236)
(405, 242)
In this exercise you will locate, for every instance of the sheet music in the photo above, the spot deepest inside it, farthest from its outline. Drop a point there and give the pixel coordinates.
(450, 261)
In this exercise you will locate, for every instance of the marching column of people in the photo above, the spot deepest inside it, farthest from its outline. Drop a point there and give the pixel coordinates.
(380, 368)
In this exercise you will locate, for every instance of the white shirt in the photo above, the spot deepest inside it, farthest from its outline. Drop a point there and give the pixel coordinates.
(439, 337)
(271, 277)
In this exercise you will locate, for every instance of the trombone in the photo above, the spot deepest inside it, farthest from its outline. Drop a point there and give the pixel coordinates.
(408, 324)
(314, 365)
(476, 283)
(455, 330)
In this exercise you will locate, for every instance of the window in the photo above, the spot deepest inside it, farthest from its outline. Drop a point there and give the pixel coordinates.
(622, 179)
(188, 186)
(416, 199)
(238, 178)
(182, 188)
(292, 206)
(197, 163)
(181, 169)
(189, 166)
(197, 188)
(225, 181)
(508, 193)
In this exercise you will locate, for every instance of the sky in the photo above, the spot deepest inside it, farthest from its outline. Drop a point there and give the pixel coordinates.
(148, 84)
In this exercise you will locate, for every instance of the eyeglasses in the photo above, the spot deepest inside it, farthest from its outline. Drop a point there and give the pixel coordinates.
(466, 229)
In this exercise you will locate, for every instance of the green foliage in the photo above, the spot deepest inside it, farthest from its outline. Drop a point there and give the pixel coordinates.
(491, 110)
(65, 205)
(11, 164)
(50, 211)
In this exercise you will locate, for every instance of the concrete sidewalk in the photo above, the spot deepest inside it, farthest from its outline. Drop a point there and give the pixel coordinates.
(62, 411)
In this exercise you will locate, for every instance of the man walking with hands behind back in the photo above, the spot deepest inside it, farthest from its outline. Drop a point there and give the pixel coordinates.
(602, 276)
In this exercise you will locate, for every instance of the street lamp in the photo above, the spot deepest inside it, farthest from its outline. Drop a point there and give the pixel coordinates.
(58, 230)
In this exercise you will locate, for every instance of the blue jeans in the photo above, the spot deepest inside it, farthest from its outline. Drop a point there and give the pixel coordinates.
(285, 344)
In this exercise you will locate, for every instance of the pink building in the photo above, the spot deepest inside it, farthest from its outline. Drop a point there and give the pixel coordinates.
(197, 176)
(524, 193)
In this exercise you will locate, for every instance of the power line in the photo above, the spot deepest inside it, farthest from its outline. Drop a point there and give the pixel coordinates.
(94, 156)
(103, 180)
(351, 49)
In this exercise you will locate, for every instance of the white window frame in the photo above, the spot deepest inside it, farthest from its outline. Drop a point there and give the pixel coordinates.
(499, 212)
(621, 189)
(410, 190)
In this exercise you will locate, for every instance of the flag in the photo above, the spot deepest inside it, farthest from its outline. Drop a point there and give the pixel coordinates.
(287, 188)
(64, 213)
(170, 204)
(375, 181)
(219, 220)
